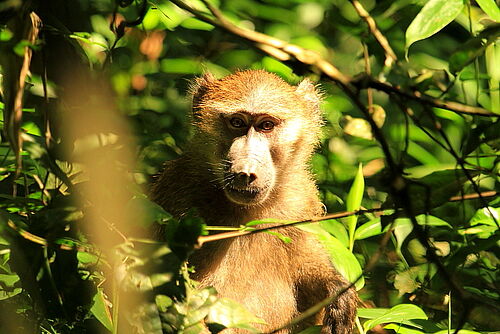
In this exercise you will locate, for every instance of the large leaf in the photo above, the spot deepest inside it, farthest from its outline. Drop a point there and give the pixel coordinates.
(434, 16)
(368, 229)
(343, 259)
(398, 314)
(100, 310)
(337, 229)
(230, 314)
(490, 8)
(371, 313)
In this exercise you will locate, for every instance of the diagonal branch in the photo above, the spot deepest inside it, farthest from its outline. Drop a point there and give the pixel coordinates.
(273, 46)
(285, 51)
(365, 81)
(390, 56)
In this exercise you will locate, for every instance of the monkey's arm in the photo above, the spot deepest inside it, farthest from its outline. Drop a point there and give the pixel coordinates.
(319, 279)
(340, 315)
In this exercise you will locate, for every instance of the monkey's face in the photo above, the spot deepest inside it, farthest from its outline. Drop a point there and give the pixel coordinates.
(249, 172)
(253, 129)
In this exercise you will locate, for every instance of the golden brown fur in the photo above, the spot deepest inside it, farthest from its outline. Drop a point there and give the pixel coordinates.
(234, 172)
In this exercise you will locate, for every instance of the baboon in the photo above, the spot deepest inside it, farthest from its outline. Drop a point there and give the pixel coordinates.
(248, 160)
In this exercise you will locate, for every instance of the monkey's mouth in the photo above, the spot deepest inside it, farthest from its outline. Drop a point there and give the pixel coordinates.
(246, 196)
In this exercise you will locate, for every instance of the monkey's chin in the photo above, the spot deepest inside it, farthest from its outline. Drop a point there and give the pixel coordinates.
(246, 197)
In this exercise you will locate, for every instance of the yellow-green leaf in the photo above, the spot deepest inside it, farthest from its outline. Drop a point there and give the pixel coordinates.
(354, 202)
(434, 16)
(490, 8)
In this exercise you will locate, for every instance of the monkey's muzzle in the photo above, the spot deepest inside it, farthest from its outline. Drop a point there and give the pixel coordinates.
(245, 189)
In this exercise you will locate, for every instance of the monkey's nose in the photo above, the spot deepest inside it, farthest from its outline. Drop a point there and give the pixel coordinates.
(244, 179)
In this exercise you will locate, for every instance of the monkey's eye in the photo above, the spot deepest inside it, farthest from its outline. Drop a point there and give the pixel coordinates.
(237, 122)
(266, 126)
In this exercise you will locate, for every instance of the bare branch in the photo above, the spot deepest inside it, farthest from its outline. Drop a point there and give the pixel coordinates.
(367, 81)
(302, 55)
(390, 56)
(234, 234)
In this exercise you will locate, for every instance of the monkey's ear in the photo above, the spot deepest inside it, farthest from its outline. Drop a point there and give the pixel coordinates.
(308, 92)
(199, 87)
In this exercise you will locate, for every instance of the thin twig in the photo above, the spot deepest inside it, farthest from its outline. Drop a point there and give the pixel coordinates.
(367, 81)
(234, 234)
(485, 194)
(239, 233)
(390, 56)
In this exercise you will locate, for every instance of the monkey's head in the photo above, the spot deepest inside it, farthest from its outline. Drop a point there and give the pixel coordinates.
(254, 129)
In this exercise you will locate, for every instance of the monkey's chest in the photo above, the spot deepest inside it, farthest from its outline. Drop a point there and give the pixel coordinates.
(256, 274)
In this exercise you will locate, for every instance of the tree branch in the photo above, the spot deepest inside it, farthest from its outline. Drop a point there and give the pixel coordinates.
(285, 51)
(365, 81)
(390, 56)
(233, 234)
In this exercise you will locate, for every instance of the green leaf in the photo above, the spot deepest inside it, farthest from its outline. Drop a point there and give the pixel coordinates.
(5, 35)
(369, 229)
(473, 48)
(371, 313)
(402, 229)
(87, 258)
(163, 302)
(311, 330)
(195, 24)
(8, 280)
(278, 67)
(337, 229)
(482, 231)
(406, 281)
(100, 310)
(343, 259)
(462, 331)
(398, 314)
(181, 66)
(7, 286)
(421, 154)
(490, 8)
(486, 216)
(230, 314)
(356, 192)
(434, 16)
(353, 202)
(402, 329)
(4, 294)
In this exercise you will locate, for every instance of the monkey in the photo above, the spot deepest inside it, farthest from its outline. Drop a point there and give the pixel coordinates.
(248, 159)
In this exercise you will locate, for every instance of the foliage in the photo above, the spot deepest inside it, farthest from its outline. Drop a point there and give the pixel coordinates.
(411, 134)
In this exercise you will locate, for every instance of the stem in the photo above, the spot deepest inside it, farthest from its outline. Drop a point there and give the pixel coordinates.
(494, 74)
(359, 326)
(116, 303)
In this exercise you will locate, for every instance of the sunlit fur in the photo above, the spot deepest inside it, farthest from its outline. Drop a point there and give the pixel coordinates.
(274, 280)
